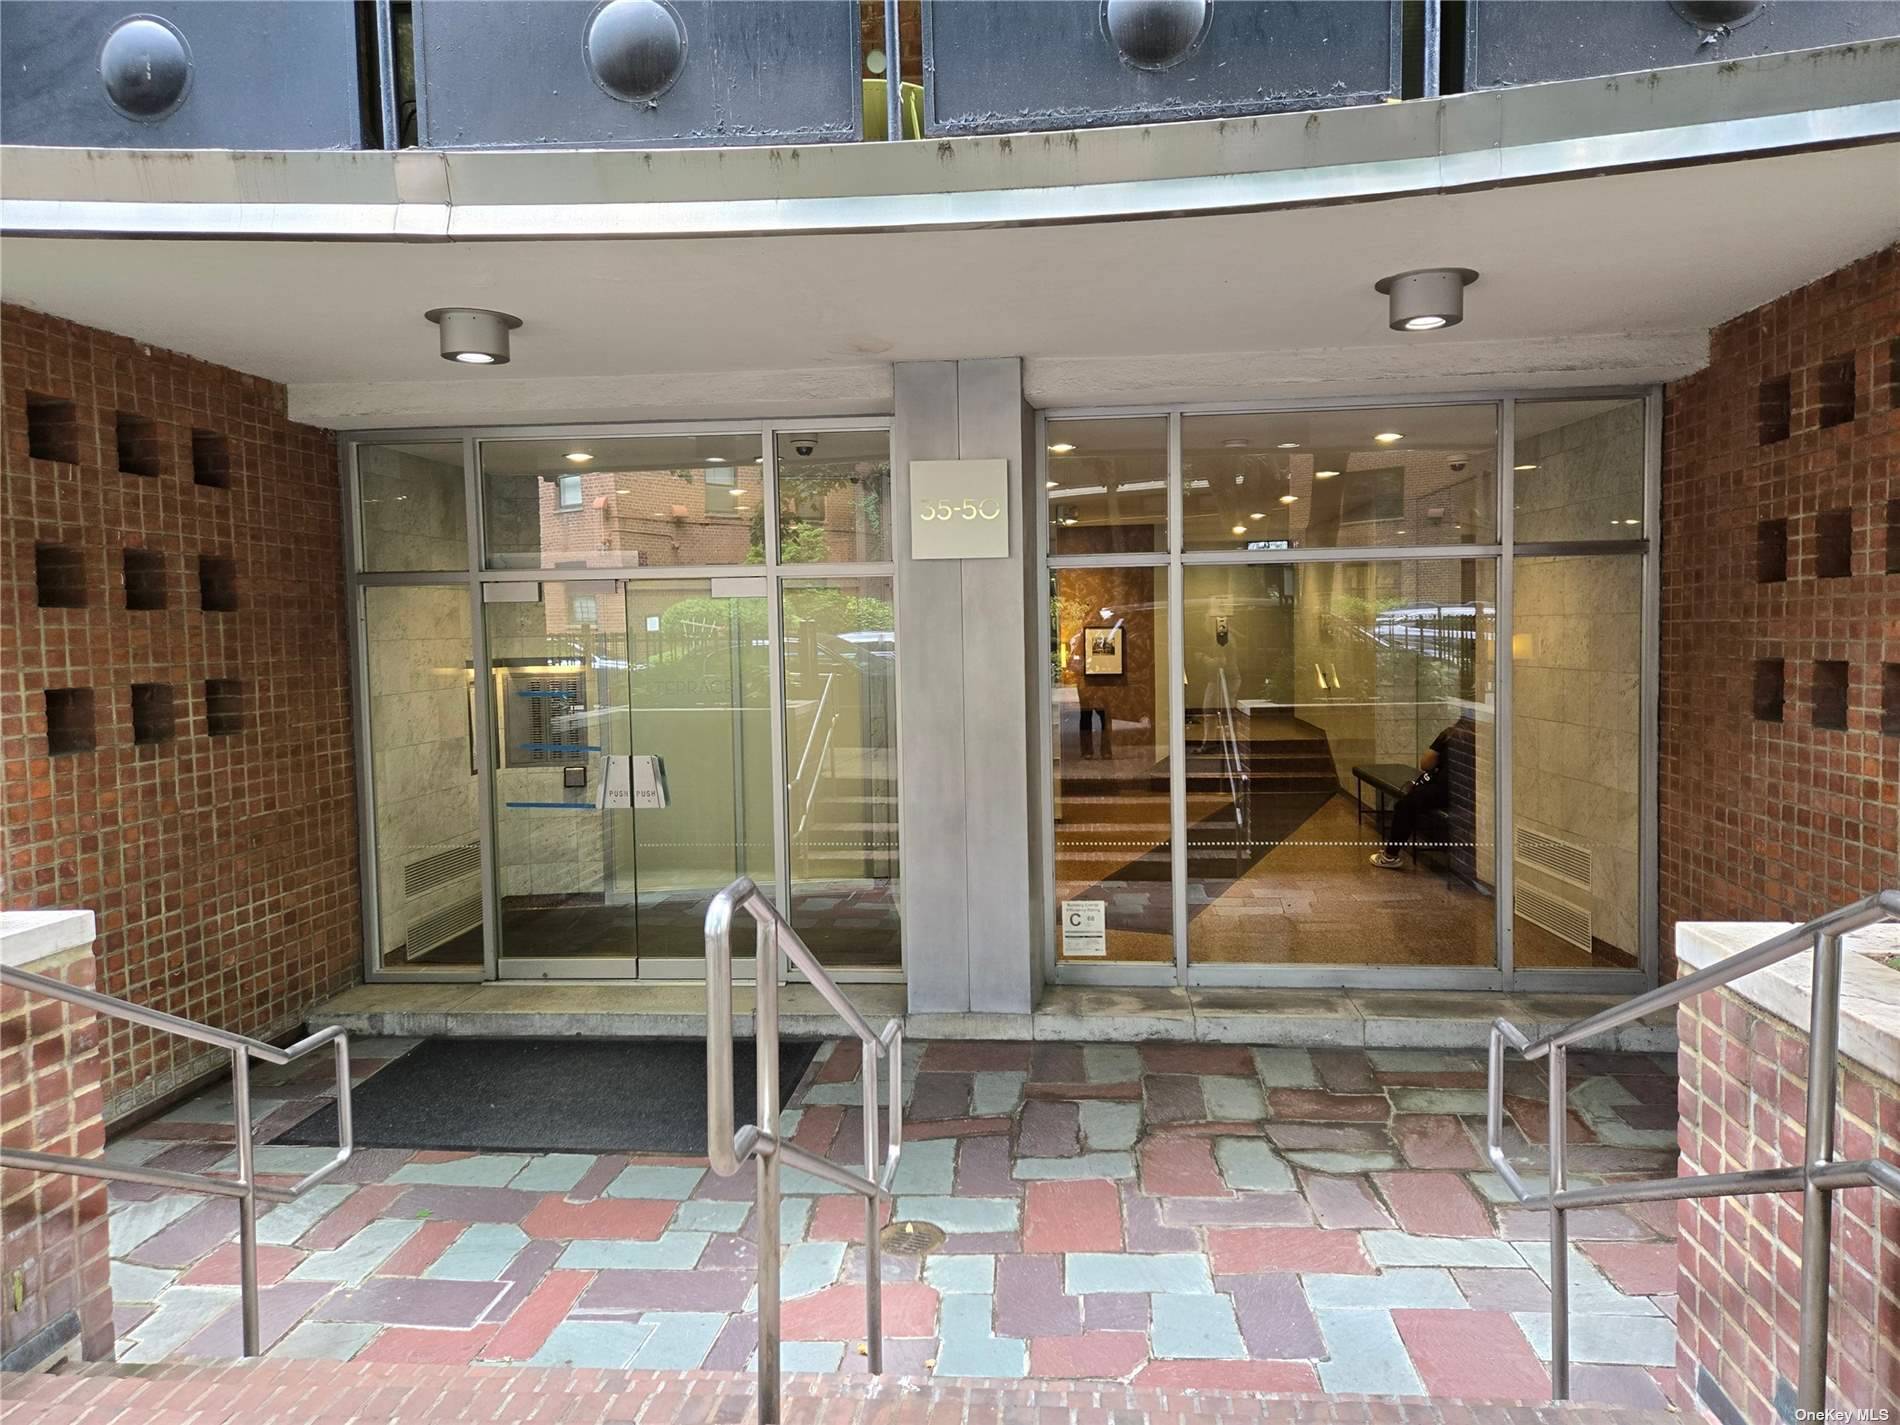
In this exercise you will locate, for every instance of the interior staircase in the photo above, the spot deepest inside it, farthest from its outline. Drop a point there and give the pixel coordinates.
(298, 1392)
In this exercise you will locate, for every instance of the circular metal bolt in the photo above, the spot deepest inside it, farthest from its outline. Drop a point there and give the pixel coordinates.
(1154, 34)
(911, 1238)
(635, 49)
(1716, 14)
(145, 66)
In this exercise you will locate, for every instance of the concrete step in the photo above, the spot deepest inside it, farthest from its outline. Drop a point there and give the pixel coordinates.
(291, 1392)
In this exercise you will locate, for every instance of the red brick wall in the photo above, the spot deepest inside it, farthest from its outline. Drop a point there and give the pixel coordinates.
(221, 865)
(53, 1227)
(1765, 820)
(1743, 1105)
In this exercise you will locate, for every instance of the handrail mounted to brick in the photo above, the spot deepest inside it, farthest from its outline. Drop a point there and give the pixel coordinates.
(1816, 1178)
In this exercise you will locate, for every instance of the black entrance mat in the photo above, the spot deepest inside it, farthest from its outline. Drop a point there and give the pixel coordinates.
(547, 1095)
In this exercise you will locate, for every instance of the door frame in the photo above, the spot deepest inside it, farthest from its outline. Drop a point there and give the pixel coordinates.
(475, 578)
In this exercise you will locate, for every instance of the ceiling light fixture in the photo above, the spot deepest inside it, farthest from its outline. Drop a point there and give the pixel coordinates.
(1235, 442)
(1061, 447)
(1523, 467)
(580, 457)
(1289, 499)
(1388, 437)
(474, 336)
(1428, 299)
(1240, 529)
(1257, 515)
(715, 460)
(1051, 485)
(1288, 445)
(1324, 474)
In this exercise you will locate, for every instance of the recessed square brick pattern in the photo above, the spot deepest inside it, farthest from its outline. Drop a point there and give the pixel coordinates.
(144, 571)
(210, 460)
(59, 576)
(1890, 699)
(224, 707)
(1834, 544)
(69, 721)
(139, 445)
(1830, 694)
(152, 717)
(1834, 391)
(1893, 536)
(1771, 551)
(1774, 410)
(225, 876)
(1764, 820)
(217, 584)
(1770, 689)
(52, 429)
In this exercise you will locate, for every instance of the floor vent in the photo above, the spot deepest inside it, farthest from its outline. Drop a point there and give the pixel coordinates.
(1559, 858)
(445, 924)
(425, 873)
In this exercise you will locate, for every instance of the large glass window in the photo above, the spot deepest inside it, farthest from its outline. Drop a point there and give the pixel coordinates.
(1340, 725)
(840, 647)
(1108, 653)
(1578, 471)
(1108, 485)
(834, 497)
(426, 818)
(658, 501)
(1362, 477)
(412, 507)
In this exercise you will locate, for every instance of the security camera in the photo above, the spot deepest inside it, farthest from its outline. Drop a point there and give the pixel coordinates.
(1458, 467)
(805, 446)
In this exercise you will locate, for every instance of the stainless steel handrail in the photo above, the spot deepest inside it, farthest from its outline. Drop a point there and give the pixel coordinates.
(728, 1149)
(1819, 1176)
(244, 1187)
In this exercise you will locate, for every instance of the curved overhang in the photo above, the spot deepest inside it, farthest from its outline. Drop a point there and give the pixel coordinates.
(1790, 103)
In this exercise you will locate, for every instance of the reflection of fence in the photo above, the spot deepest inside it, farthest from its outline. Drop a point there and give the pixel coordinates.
(1444, 634)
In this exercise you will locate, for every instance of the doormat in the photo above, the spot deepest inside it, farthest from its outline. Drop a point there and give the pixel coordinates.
(548, 1096)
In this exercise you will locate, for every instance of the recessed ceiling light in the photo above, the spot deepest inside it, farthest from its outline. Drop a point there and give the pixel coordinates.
(1523, 467)
(1426, 300)
(1632, 521)
(623, 491)
(1257, 515)
(1061, 447)
(1288, 445)
(473, 336)
(715, 460)
(1235, 442)
(1388, 437)
(1051, 485)
(579, 457)
(1324, 474)
(1288, 499)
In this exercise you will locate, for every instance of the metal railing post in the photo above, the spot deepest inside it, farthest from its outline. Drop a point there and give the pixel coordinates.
(893, 74)
(873, 1219)
(247, 1203)
(1817, 1202)
(765, 1042)
(1559, 1231)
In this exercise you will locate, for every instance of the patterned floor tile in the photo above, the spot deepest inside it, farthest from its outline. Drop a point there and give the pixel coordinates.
(1195, 1326)
(1365, 1355)
(1178, 1273)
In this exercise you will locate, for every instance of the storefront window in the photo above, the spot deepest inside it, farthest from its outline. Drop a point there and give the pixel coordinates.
(834, 497)
(1107, 485)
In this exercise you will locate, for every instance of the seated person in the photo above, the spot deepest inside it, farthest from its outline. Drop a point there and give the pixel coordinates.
(1429, 792)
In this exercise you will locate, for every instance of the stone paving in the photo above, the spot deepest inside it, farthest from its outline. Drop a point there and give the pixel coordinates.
(1164, 1215)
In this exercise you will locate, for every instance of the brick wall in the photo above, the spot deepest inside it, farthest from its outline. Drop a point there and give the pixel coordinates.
(52, 1227)
(1743, 1105)
(1779, 791)
(183, 766)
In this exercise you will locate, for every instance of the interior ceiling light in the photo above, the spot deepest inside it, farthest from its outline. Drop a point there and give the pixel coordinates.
(1061, 447)
(1288, 445)
(1050, 485)
(1388, 437)
(1257, 515)
(580, 457)
(715, 460)
(1240, 529)
(1426, 300)
(1324, 474)
(474, 336)
(1235, 442)
(1288, 499)
(1523, 467)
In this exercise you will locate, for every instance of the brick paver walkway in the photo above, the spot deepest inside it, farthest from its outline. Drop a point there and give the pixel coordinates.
(1165, 1215)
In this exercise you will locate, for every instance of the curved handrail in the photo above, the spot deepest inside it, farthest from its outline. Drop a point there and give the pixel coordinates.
(1815, 1177)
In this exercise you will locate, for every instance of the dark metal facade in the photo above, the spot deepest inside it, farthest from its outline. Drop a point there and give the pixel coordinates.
(1015, 66)
(267, 74)
(1510, 42)
(568, 73)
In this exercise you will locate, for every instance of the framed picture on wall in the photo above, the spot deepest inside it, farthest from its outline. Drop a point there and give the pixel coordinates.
(1102, 652)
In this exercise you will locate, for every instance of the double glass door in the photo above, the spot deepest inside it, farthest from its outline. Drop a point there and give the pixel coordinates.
(584, 672)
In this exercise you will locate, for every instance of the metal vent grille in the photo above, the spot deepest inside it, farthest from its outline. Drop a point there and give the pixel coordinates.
(425, 873)
(1566, 922)
(445, 924)
(1560, 858)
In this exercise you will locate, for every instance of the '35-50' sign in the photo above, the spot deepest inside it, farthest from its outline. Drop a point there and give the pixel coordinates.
(959, 509)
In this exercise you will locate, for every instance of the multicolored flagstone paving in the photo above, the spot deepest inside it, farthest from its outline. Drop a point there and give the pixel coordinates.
(1172, 1215)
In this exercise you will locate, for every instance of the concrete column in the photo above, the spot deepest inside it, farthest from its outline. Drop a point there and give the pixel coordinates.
(966, 642)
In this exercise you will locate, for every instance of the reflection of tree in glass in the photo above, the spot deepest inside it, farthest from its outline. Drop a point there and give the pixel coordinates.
(804, 502)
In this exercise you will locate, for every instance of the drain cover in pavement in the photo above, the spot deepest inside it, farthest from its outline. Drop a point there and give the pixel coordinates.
(911, 1239)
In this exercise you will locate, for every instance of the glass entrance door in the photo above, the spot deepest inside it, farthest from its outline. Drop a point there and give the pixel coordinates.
(585, 672)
